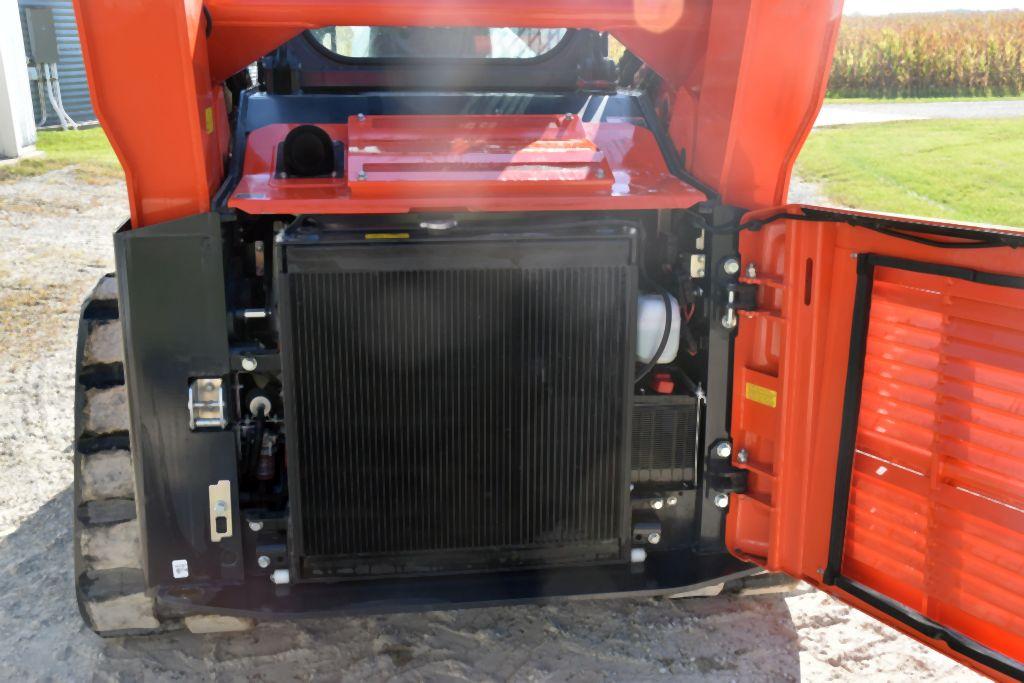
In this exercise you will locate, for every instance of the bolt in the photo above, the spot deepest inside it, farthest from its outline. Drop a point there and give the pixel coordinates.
(722, 500)
(570, 117)
(361, 117)
(742, 455)
(731, 266)
(751, 270)
(672, 500)
(730, 320)
(600, 174)
(249, 363)
(654, 538)
(263, 561)
(361, 176)
(255, 525)
(657, 503)
(723, 449)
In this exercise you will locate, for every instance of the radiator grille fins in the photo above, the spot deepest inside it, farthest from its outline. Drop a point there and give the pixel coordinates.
(664, 438)
(936, 512)
(445, 411)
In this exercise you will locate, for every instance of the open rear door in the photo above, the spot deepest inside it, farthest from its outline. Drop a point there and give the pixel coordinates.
(878, 406)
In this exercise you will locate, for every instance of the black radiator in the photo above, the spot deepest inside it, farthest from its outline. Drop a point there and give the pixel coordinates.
(457, 403)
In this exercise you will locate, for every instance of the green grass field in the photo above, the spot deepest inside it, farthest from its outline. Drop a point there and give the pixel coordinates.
(916, 100)
(87, 150)
(966, 170)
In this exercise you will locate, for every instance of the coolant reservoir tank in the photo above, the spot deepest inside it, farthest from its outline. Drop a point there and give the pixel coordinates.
(651, 327)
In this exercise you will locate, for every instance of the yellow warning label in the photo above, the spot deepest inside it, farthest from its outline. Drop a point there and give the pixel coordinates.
(209, 120)
(762, 395)
(386, 236)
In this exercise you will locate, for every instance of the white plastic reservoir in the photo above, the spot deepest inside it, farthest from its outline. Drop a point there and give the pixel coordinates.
(651, 327)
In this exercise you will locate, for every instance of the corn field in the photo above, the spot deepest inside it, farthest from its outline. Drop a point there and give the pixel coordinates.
(948, 54)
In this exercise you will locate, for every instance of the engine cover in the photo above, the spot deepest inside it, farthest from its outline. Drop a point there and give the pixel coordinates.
(456, 401)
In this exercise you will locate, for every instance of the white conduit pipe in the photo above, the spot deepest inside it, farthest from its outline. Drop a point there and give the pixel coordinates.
(65, 120)
(60, 99)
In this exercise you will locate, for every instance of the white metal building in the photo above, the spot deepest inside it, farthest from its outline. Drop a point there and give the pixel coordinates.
(74, 86)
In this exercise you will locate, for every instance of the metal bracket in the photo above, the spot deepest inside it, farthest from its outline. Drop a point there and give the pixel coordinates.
(221, 526)
(739, 296)
(207, 408)
(728, 481)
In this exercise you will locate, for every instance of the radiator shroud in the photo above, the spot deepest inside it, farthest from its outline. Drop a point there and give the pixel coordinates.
(457, 403)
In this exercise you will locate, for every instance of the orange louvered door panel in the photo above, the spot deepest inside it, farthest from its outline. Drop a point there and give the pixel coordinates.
(934, 520)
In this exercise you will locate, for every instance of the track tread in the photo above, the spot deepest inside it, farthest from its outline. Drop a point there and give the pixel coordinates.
(109, 582)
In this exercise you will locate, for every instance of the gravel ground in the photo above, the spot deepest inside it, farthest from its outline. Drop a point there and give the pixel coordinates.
(847, 114)
(56, 234)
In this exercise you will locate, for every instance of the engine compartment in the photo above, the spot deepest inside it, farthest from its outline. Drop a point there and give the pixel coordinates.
(458, 375)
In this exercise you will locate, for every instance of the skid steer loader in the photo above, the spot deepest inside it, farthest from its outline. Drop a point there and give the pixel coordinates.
(435, 305)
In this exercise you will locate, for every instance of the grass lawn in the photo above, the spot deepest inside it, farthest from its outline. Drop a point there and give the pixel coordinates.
(916, 100)
(967, 170)
(86, 149)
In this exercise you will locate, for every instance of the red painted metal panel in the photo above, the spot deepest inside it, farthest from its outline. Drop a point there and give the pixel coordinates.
(423, 154)
(470, 156)
(936, 517)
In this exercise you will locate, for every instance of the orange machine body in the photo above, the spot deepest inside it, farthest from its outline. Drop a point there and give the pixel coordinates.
(744, 80)
(941, 409)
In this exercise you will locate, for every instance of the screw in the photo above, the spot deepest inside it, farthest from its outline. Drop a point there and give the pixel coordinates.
(249, 363)
(255, 525)
(742, 455)
(654, 538)
(751, 270)
(731, 266)
(657, 503)
(263, 561)
(722, 500)
(220, 506)
(723, 449)
(672, 500)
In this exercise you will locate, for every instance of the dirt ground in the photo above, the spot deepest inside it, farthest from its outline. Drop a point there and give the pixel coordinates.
(55, 231)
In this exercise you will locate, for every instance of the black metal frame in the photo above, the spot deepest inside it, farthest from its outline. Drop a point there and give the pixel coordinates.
(866, 265)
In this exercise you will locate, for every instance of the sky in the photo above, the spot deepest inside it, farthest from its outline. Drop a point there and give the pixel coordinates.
(897, 6)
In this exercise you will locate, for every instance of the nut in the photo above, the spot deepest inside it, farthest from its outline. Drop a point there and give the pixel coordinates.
(731, 266)
(263, 561)
(672, 500)
(654, 538)
(657, 503)
(723, 449)
(742, 455)
(249, 363)
(255, 525)
(722, 500)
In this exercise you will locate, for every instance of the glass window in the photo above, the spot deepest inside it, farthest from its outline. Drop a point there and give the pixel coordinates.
(397, 42)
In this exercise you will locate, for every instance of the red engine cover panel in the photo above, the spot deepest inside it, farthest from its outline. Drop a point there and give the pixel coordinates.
(396, 164)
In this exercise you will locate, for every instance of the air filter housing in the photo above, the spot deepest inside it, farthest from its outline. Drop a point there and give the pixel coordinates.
(456, 402)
